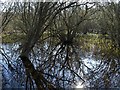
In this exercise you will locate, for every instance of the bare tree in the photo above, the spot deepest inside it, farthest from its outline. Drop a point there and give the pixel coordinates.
(62, 20)
(37, 17)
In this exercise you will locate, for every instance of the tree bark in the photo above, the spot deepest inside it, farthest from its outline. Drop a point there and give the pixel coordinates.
(39, 79)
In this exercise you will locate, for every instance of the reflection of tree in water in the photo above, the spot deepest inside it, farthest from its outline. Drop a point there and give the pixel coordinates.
(57, 70)
(13, 70)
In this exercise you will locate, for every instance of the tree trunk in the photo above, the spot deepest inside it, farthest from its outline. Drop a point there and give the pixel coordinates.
(39, 79)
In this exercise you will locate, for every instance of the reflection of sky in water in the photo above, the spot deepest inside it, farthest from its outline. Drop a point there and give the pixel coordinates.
(90, 63)
(79, 85)
(87, 60)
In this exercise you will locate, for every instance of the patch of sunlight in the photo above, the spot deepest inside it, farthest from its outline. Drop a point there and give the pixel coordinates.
(79, 85)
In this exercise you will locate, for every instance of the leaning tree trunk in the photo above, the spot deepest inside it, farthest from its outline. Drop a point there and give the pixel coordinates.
(38, 77)
(32, 37)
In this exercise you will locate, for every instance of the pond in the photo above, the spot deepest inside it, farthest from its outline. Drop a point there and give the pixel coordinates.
(14, 75)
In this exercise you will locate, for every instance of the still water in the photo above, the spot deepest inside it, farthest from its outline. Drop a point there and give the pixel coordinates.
(15, 77)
